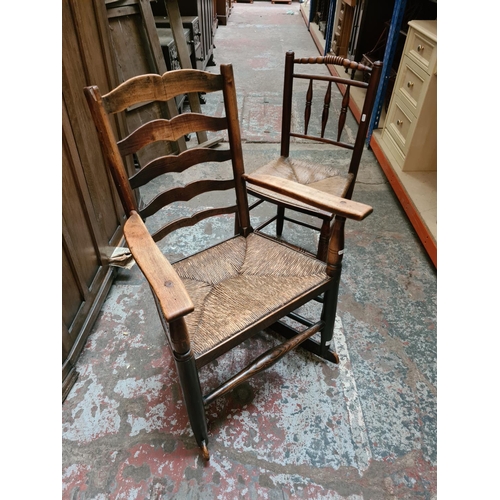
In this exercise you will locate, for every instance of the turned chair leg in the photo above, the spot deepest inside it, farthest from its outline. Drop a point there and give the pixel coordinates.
(193, 398)
(280, 220)
(324, 237)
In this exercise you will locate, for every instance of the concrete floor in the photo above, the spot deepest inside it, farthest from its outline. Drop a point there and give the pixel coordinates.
(365, 429)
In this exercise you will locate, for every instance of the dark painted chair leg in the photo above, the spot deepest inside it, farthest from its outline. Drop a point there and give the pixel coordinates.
(328, 315)
(280, 221)
(193, 398)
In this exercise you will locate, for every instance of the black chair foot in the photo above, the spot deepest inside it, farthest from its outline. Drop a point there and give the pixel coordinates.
(204, 451)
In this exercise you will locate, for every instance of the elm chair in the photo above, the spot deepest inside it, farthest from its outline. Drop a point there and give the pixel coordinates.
(211, 301)
(329, 177)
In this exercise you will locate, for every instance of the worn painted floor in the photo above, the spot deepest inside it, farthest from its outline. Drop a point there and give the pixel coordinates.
(365, 429)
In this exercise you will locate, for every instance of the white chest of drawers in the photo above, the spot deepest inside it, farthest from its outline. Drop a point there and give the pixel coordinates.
(410, 129)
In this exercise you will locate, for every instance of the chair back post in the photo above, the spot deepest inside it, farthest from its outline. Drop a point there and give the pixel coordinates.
(110, 149)
(286, 115)
(233, 129)
(364, 122)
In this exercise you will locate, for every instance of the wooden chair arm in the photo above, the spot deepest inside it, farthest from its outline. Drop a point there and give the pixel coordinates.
(318, 199)
(173, 297)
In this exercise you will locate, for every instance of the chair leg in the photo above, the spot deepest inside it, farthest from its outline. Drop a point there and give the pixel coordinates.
(335, 254)
(193, 398)
(328, 315)
(280, 221)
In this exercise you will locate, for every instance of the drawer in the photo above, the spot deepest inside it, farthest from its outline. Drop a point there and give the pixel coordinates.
(167, 38)
(411, 84)
(392, 150)
(400, 123)
(422, 50)
(189, 22)
(338, 28)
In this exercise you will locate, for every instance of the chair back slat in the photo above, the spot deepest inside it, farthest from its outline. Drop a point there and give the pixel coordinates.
(152, 87)
(184, 193)
(169, 130)
(177, 164)
(191, 221)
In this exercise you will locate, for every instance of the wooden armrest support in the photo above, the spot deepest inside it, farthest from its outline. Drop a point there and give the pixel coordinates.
(165, 282)
(318, 199)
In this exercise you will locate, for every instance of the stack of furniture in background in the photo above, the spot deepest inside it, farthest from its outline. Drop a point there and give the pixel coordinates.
(192, 33)
(204, 28)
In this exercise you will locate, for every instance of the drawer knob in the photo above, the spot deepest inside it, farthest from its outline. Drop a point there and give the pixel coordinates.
(409, 85)
(420, 48)
(400, 122)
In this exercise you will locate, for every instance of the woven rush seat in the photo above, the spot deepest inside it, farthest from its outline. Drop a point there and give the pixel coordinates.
(325, 178)
(241, 282)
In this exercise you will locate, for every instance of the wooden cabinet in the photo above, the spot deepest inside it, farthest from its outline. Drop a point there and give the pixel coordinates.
(169, 48)
(103, 43)
(205, 11)
(407, 144)
(410, 130)
(193, 39)
(91, 212)
(223, 8)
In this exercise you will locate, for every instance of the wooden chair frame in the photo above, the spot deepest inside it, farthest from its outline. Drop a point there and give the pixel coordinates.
(175, 304)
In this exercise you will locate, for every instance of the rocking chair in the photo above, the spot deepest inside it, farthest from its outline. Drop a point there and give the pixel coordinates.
(212, 301)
